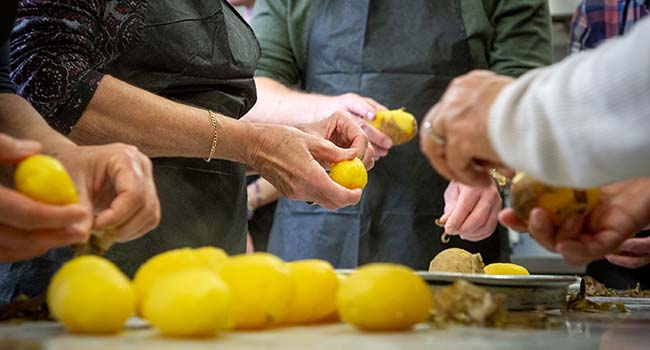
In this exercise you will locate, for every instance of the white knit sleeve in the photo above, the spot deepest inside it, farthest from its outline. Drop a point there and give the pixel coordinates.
(582, 122)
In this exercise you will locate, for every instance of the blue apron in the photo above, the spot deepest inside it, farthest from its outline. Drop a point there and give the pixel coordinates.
(403, 54)
(197, 52)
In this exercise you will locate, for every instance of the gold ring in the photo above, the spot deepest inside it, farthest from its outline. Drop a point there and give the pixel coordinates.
(433, 134)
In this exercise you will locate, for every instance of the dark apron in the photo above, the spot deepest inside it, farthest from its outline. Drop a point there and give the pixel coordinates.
(200, 53)
(403, 54)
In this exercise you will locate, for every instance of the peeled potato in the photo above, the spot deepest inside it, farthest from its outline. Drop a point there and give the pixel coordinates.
(457, 260)
(397, 124)
(527, 193)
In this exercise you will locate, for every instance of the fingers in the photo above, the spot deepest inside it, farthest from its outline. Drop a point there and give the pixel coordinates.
(377, 138)
(631, 262)
(464, 169)
(325, 192)
(587, 248)
(542, 229)
(21, 212)
(376, 105)
(467, 201)
(361, 106)
(636, 246)
(508, 218)
(482, 221)
(14, 150)
(323, 150)
(16, 244)
(135, 209)
(451, 198)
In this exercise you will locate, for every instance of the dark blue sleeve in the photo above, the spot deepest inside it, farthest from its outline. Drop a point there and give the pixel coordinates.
(5, 81)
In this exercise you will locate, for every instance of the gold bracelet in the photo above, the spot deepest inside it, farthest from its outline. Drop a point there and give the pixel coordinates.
(213, 121)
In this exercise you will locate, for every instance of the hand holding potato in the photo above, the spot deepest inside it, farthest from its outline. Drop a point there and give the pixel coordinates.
(471, 212)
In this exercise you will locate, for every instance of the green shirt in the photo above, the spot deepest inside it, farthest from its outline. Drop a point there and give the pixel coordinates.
(508, 37)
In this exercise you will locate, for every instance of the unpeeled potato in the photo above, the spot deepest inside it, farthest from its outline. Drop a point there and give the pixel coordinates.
(527, 193)
(457, 260)
(397, 124)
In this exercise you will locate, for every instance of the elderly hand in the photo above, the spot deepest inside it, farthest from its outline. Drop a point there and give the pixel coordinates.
(623, 210)
(633, 253)
(362, 108)
(116, 181)
(471, 212)
(292, 160)
(29, 228)
(454, 135)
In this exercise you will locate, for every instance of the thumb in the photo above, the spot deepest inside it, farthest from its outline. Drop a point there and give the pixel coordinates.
(14, 150)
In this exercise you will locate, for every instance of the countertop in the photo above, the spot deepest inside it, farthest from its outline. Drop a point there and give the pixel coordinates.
(573, 331)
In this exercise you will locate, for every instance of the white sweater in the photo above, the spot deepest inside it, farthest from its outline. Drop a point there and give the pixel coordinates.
(584, 121)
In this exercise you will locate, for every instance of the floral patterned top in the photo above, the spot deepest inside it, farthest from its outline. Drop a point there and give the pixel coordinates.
(75, 40)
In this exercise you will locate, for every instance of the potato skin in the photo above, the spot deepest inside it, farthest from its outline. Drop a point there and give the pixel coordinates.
(397, 124)
(457, 260)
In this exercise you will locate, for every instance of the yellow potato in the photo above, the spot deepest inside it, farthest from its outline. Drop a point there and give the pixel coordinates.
(316, 285)
(397, 124)
(384, 297)
(89, 294)
(189, 303)
(506, 269)
(44, 179)
(527, 193)
(350, 174)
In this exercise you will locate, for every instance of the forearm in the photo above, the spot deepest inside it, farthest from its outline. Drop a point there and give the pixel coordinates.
(19, 119)
(159, 127)
(261, 193)
(582, 122)
(279, 104)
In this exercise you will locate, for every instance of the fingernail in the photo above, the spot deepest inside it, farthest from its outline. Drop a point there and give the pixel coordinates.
(77, 230)
(370, 115)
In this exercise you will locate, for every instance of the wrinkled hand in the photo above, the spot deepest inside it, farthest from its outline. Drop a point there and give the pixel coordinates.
(471, 212)
(623, 210)
(633, 253)
(361, 108)
(292, 160)
(116, 182)
(29, 228)
(464, 152)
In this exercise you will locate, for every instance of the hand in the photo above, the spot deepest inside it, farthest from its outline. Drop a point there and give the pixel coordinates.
(463, 152)
(291, 159)
(116, 182)
(341, 130)
(623, 210)
(633, 253)
(29, 228)
(471, 212)
(360, 109)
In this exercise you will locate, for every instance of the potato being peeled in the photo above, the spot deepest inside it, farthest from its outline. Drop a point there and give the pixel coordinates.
(527, 193)
(397, 124)
(457, 260)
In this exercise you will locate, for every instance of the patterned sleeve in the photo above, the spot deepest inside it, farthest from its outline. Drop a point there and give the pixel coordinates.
(579, 28)
(52, 48)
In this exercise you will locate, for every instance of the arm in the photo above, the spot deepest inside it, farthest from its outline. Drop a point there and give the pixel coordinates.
(522, 36)
(158, 126)
(581, 122)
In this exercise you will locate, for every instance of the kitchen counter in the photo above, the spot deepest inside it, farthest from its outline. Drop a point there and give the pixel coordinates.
(576, 331)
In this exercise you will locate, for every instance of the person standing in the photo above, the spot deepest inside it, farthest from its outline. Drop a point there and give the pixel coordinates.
(401, 54)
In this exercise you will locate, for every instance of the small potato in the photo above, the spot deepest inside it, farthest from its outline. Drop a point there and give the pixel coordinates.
(397, 124)
(527, 193)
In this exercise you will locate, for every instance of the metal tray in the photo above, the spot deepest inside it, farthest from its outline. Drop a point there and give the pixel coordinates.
(523, 292)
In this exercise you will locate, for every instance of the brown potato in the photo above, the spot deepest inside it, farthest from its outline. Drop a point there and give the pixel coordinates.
(397, 124)
(457, 260)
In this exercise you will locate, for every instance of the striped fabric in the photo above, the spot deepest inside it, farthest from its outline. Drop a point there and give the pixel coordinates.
(597, 20)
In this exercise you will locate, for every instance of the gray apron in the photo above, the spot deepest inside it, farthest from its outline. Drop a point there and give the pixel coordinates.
(403, 54)
(200, 53)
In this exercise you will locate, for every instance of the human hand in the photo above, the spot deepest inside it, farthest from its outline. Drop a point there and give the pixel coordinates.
(623, 210)
(471, 212)
(633, 253)
(454, 135)
(293, 160)
(29, 228)
(116, 182)
(361, 109)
